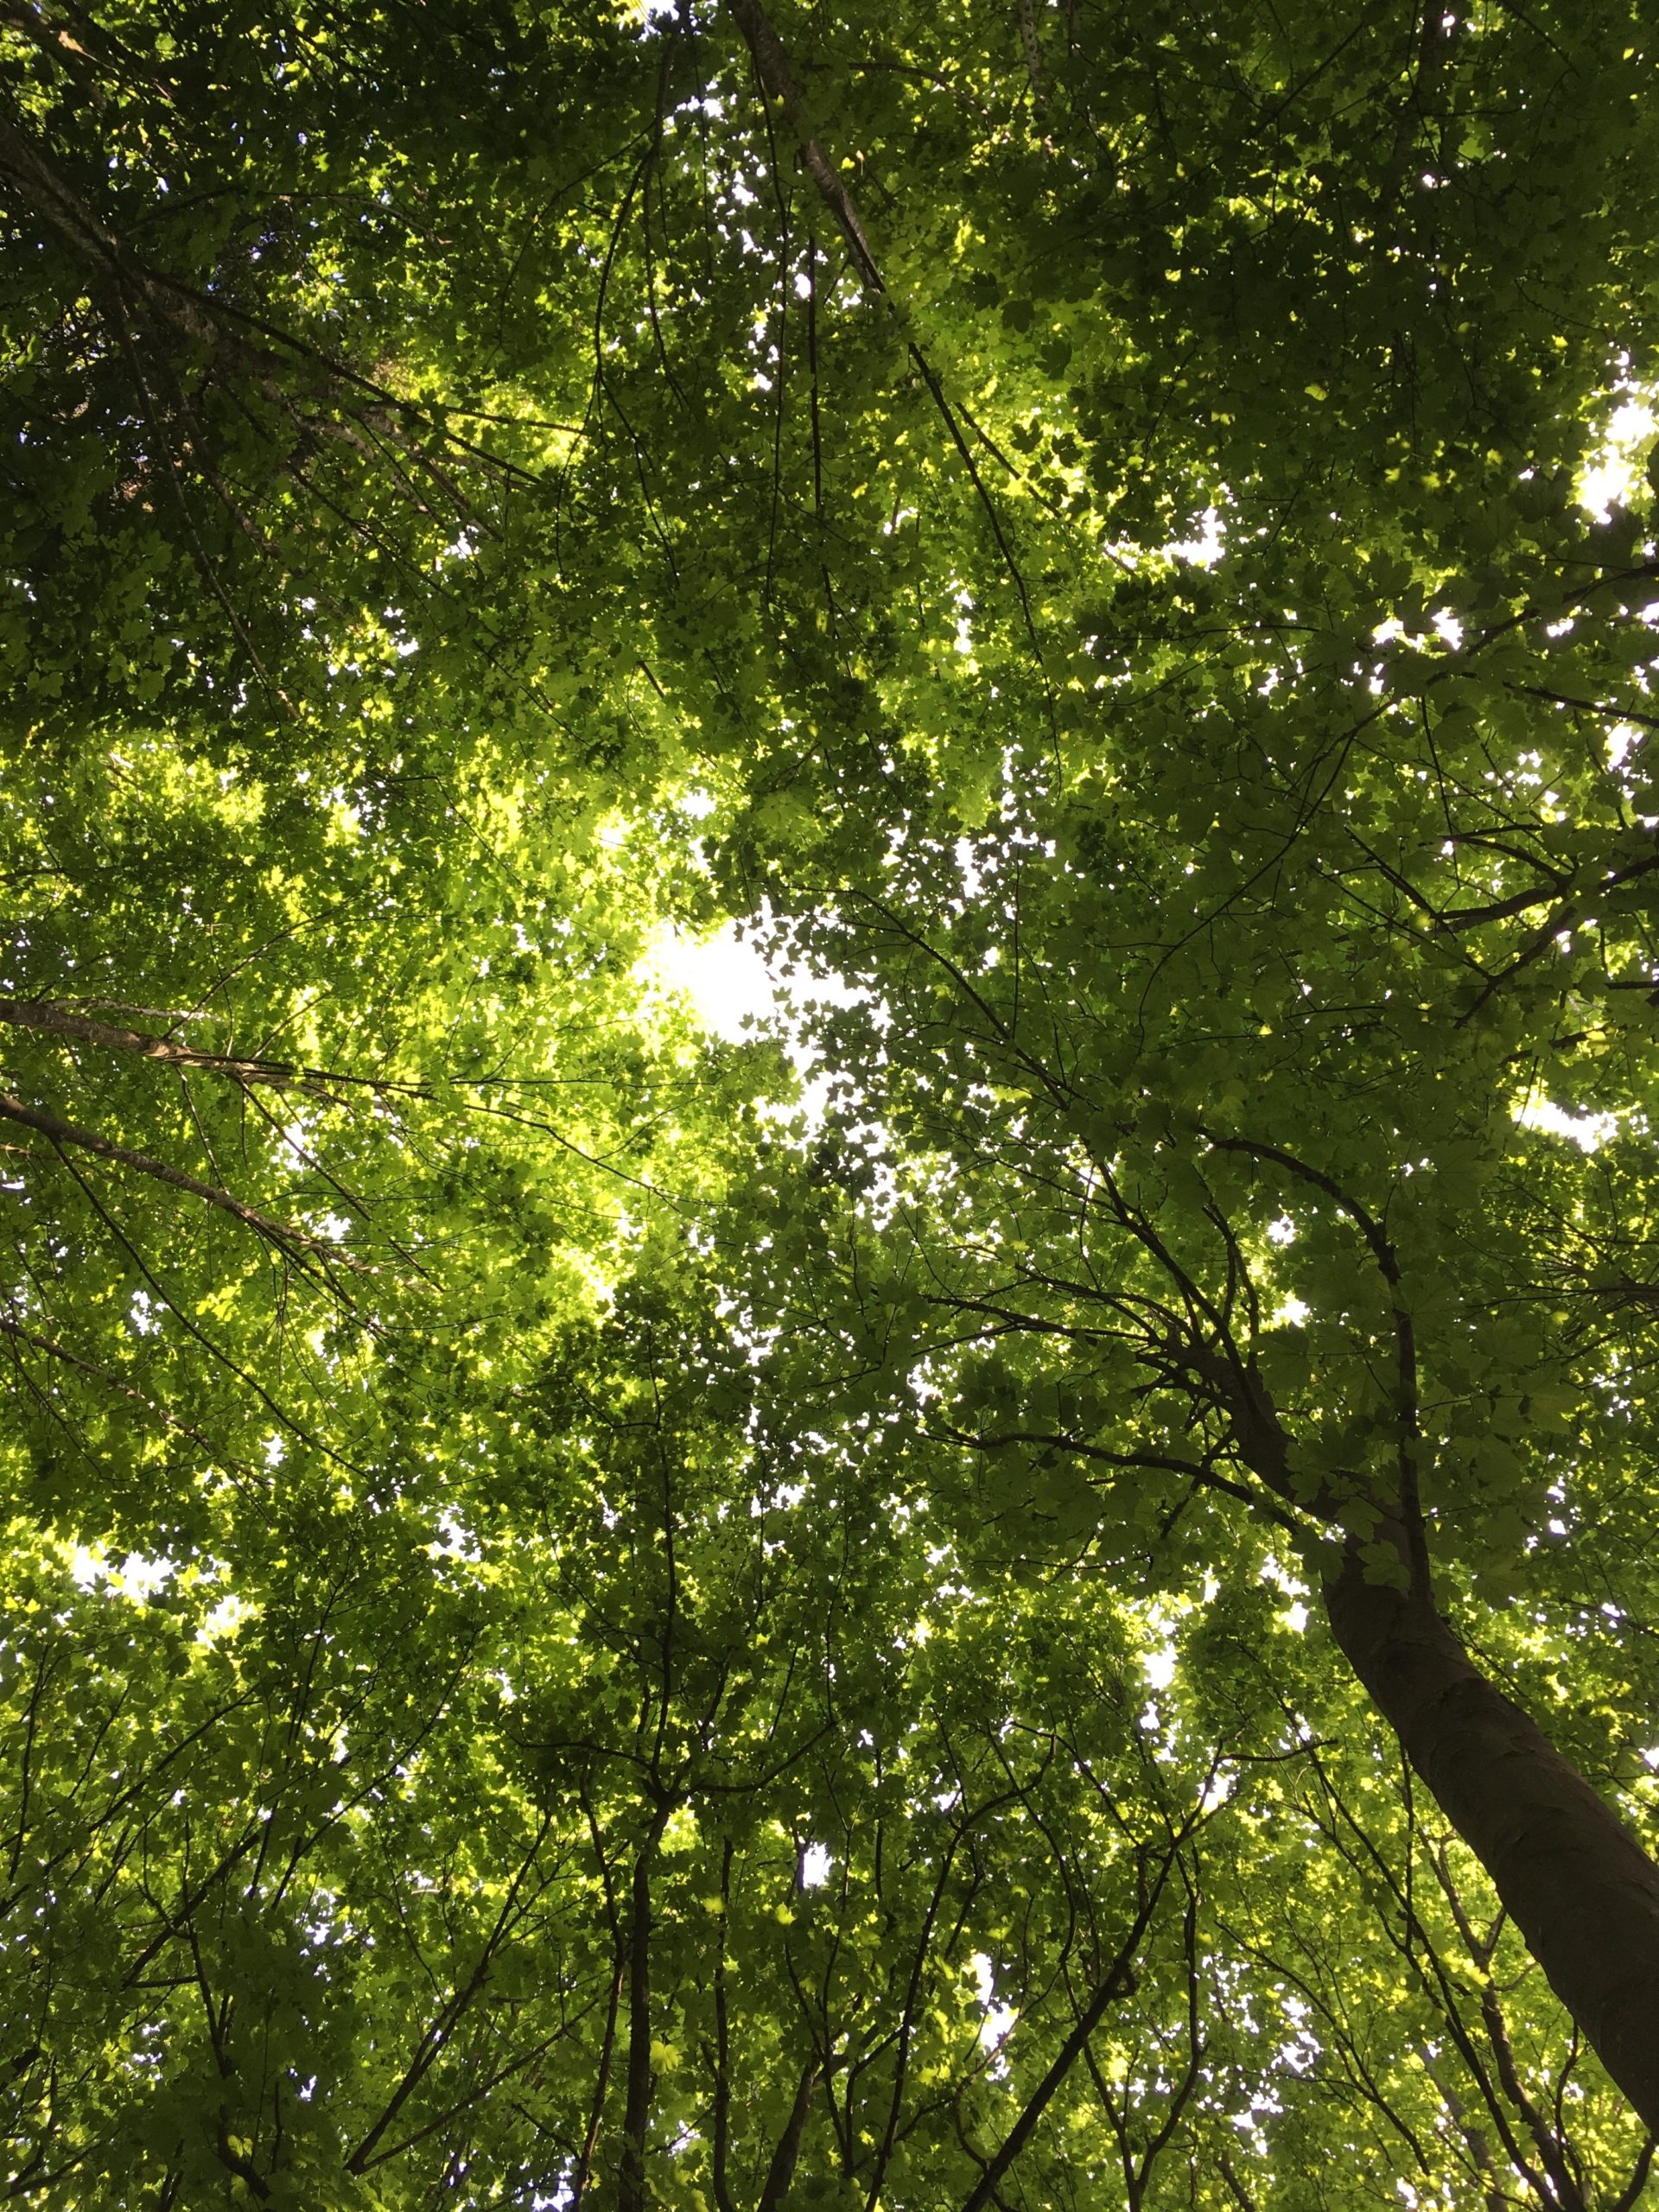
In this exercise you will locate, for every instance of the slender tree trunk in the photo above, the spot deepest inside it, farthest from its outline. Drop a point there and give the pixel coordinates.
(785, 2157)
(1118, 1980)
(1580, 1890)
(772, 66)
(721, 2146)
(635, 2116)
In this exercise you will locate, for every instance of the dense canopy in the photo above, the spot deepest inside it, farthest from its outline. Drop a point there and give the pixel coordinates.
(1029, 1577)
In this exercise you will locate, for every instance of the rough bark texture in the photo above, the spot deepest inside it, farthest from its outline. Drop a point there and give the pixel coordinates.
(1580, 1890)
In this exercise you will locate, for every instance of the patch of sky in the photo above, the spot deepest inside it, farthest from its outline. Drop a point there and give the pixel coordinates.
(1219, 1787)
(1611, 472)
(730, 988)
(1588, 1131)
(1158, 1667)
(138, 1577)
(1295, 1615)
(224, 1620)
(455, 1539)
(998, 2019)
(1206, 545)
(734, 994)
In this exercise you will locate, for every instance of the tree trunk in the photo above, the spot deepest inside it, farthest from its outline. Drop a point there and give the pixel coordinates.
(1580, 1890)
(785, 2157)
(630, 2193)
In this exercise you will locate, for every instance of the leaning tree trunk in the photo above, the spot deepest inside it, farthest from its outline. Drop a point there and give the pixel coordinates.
(1581, 1891)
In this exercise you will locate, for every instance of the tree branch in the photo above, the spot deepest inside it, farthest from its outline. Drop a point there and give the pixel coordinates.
(282, 1234)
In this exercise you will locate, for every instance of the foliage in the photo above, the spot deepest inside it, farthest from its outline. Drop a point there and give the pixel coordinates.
(584, 1615)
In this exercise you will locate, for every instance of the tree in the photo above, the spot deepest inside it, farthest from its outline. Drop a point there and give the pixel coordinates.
(1072, 1069)
(485, 484)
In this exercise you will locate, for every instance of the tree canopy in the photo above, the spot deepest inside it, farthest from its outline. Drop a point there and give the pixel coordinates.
(1031, 1579)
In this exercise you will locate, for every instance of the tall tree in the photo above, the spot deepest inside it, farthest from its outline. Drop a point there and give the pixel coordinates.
(1117, 1052)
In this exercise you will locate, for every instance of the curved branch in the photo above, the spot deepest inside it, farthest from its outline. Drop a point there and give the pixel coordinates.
(282, 1233)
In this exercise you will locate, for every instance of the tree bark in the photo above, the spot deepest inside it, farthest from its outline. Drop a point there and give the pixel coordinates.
(785, 2157)
(62, 1021)
(1117, 1981)
(280, 1233)
(635, 2116)
(778, 79)
(1583, 1893)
